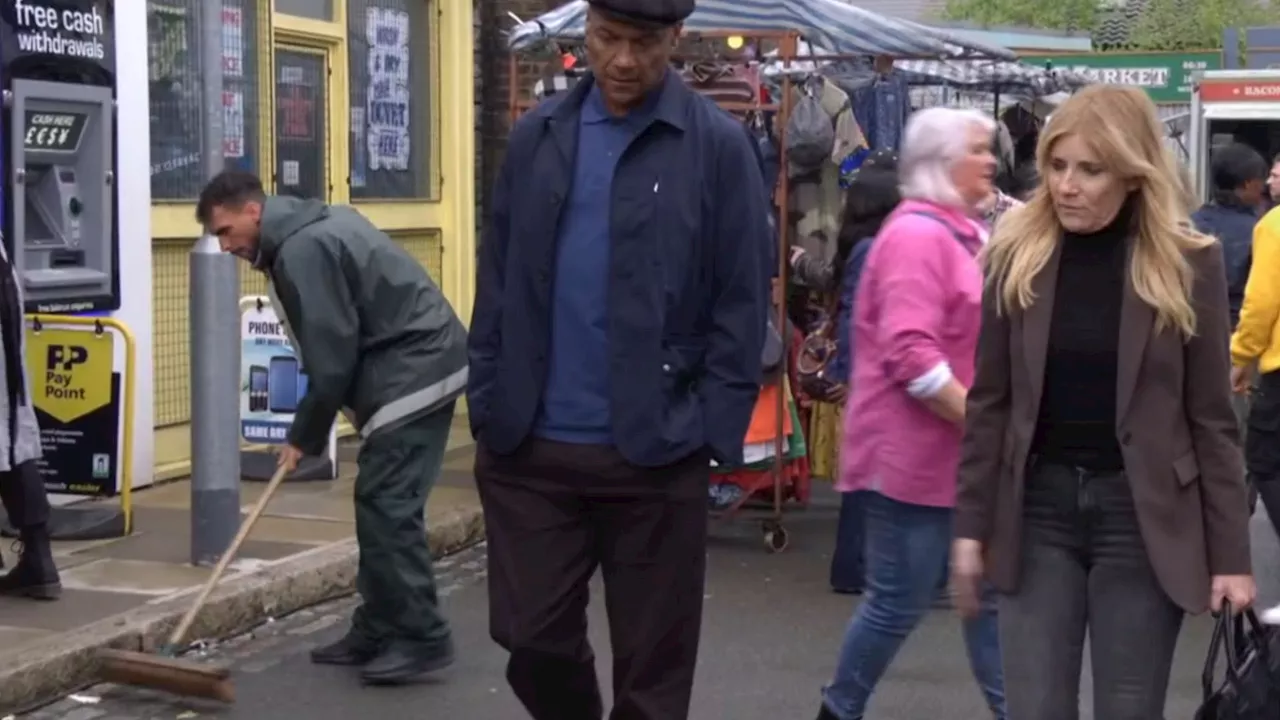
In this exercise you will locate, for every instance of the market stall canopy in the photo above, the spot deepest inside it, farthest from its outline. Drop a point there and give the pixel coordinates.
(966, 75)
(992, 77)
(844, 28)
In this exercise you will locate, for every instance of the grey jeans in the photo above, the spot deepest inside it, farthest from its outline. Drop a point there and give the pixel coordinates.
(1084, 567)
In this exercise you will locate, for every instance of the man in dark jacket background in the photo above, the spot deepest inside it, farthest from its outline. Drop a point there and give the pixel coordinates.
(616, 343)
(1239, 177)
(378, 341)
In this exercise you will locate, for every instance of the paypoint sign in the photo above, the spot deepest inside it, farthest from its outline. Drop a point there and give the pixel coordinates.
(76, 393)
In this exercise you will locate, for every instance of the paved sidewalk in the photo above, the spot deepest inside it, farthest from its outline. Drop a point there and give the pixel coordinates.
(140, 583)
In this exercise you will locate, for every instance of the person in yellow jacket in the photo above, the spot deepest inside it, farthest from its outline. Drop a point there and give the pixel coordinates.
(1255, 345)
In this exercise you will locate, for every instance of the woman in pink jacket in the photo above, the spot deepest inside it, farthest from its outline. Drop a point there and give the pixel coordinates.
(915, 326)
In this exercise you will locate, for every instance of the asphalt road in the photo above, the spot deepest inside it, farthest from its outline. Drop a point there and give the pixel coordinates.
(769, 640)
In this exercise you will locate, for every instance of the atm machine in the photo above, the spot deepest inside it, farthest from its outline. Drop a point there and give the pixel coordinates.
(63, 194)
(58, 174)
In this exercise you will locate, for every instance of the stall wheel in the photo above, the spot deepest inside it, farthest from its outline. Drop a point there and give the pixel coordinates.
(775, 536)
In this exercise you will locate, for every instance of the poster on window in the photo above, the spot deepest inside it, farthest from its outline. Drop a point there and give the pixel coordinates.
(232, 42)
(387, 105)
(233, 123)
(358, 162)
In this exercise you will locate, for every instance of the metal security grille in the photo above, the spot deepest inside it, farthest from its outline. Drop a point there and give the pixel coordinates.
(252, 282)
(172, 363)
(173, 34)
(428, 249)
(176, 175)
(390, 71)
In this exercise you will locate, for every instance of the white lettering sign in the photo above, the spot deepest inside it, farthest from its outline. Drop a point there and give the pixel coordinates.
(58, 30)
(1262, 91)
(1153, 77)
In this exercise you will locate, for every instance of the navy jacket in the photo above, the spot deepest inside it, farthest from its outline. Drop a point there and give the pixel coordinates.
(1233, 226)
(842, 364)
(689, 280)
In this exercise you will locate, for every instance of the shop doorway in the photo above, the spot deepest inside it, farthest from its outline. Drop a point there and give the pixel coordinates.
(302, 128)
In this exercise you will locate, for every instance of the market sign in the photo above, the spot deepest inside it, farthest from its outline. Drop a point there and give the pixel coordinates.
(1166, 77)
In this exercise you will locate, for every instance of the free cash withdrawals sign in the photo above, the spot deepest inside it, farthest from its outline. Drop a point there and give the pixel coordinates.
(76, 391)
(1166, 77)
(69, 28)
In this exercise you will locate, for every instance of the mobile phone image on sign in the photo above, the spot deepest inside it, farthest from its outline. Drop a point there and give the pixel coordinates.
(257, 388)
(283, 385)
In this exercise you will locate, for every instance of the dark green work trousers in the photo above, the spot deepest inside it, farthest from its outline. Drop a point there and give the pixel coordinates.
(397, 469)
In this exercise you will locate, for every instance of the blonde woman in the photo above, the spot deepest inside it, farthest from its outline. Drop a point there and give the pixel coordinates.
(1100, 483)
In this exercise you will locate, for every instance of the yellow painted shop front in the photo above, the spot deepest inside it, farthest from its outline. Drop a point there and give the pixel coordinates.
(367, 102)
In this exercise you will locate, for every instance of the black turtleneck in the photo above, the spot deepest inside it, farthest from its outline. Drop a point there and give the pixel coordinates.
(1077, 421)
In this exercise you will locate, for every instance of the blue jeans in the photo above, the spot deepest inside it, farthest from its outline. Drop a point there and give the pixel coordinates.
(906, 546)
(847, 572)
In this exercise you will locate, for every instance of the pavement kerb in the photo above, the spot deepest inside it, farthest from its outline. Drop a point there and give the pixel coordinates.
(44, 669)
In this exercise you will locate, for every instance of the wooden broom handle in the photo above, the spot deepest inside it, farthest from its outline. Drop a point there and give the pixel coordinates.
(245, 528)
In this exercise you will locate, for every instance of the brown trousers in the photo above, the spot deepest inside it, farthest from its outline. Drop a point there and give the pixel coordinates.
(556, 512)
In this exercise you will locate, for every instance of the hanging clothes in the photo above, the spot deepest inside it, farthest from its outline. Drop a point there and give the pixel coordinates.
(722, 83)
(757, 125)
(881, 107)
(816, 198)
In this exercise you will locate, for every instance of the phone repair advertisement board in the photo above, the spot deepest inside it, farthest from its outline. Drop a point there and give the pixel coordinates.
(78, 370)
(272, 385)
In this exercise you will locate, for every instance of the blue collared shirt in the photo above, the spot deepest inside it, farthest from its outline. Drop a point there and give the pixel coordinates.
(575, 404)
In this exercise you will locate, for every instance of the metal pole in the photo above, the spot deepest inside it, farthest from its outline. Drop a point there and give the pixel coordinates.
(215, 341)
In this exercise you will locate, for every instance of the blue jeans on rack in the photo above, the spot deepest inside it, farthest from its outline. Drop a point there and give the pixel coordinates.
(906, 547)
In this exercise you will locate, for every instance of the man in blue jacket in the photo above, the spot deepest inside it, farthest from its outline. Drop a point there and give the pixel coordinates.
(1240, 190)
(615, 350)
(1239, 177)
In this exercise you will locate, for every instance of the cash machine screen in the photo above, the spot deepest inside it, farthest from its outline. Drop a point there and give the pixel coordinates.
(53, 132)
(63, 200)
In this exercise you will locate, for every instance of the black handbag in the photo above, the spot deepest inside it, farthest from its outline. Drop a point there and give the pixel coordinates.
(1250, 686)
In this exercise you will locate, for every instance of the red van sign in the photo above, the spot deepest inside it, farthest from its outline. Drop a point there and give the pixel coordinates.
(1240, 91)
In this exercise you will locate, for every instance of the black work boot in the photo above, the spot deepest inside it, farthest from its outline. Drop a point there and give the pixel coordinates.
(825, 714)
(36, 575)
(351, 650)
(401, 663)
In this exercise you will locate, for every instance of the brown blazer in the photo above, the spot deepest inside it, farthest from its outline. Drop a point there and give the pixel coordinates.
(1174, 420)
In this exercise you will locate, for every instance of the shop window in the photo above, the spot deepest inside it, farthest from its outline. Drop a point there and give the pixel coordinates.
(314, 9)
(390, 99)
(177, 100)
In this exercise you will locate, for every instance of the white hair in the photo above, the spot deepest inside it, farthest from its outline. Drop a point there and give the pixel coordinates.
(935, 139)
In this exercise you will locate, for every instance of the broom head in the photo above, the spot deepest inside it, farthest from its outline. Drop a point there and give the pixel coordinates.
(181, 677)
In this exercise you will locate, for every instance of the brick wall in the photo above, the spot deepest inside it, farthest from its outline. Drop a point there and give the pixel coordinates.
(492, 81)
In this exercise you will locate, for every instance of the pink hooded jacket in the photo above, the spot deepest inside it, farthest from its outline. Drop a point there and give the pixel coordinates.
(918, 306)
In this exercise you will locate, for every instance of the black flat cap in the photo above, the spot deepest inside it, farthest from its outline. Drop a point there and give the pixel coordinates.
(655, 13)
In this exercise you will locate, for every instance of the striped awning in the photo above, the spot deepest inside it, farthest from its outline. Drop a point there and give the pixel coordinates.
(834, 24)
(998, 76)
